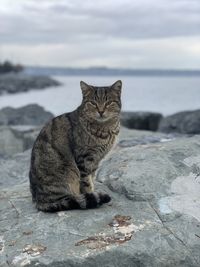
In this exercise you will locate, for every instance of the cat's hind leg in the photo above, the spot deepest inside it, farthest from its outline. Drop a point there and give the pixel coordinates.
(54, 198)
(93, 199)
(87, 184)
(68, 202)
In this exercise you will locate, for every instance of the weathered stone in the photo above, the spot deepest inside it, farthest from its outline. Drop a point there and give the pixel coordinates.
(20, 82)
(9, 143)
(128, 138)
(16, 139)
(31, 114)
(141, 120)
(153, 219)
(186, 122)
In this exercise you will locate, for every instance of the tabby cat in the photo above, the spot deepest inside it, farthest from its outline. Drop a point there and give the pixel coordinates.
(68, 150)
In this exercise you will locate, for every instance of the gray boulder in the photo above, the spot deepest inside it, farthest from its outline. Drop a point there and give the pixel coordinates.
(32, 114)
(19, 127)
(153, 219)
(10, 143)
(20, 82)
(16, 139)
(141, 120)
(186, 122)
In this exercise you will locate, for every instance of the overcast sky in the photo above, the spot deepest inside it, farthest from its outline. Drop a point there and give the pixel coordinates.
(113, 33)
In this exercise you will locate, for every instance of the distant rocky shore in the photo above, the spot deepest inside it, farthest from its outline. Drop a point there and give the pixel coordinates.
(20, 82)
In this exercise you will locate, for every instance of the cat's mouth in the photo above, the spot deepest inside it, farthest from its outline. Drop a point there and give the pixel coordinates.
(102, 118)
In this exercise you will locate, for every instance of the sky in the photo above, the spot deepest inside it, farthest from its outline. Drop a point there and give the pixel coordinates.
(145, 34)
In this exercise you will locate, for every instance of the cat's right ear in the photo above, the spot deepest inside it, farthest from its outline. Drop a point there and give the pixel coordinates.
(86, 89)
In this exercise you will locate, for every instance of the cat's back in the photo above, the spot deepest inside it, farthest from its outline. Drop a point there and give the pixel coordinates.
(56, 131)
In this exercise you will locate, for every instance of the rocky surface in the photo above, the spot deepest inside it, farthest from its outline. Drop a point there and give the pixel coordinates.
(31, 114)
(16, 139)
(18, 82)
(19, 128)
(141, 120)
(153, 219)
(186, 122)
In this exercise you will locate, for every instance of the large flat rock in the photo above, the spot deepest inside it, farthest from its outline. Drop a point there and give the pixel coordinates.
(153, 219)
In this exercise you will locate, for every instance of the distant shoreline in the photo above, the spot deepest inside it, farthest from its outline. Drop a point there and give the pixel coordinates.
(103, 71)
(12, 83)
(156, 94)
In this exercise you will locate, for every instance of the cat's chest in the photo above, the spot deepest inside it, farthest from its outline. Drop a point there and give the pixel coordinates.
(87, 144)
(92, 141)
(95, 144)
(90, 154)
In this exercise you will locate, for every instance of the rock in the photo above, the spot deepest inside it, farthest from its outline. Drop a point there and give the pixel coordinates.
(19, 127)
(32, 114)
(186, 122)
(20, 82)
(153, 219)
(16, 139)
(141, 120)
(10, 143)
(128, 138)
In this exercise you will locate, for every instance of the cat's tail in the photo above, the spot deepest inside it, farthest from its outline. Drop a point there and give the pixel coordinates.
(82, 201)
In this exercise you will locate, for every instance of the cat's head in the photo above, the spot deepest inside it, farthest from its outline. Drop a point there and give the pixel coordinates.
(101, 103)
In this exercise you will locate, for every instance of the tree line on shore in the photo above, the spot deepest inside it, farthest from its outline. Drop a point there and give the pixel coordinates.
(7, 66)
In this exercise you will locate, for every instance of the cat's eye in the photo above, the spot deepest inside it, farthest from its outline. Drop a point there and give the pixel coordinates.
(93, 103)
(108, 103)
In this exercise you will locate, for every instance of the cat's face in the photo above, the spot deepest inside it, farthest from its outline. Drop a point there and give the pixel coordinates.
(101, 103)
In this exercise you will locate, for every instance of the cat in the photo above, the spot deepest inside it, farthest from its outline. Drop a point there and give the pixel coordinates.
(68, 150)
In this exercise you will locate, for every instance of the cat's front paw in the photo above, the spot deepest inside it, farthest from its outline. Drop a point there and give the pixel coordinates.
(104, 198)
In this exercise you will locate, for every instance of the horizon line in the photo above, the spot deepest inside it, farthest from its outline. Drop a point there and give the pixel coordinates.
(113, 68)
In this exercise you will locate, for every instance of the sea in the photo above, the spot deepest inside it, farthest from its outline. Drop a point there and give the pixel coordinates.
(166, 95)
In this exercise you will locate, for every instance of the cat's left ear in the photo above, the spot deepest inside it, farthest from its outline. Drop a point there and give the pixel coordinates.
(117, 86)
(86, 89)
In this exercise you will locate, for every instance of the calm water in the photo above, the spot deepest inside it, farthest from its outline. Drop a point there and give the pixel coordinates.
(162, 94)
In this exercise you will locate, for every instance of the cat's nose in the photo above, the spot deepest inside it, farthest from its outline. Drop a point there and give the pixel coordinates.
(101, 112)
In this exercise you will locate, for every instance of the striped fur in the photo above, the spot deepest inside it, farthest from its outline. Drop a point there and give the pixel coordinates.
(67, 152)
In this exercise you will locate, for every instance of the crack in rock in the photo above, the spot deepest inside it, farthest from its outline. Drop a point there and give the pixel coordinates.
(165, 227)
(2, 246)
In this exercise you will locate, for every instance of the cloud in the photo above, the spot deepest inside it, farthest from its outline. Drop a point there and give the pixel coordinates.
(155, 53)
(106, 31)
(61, 21)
